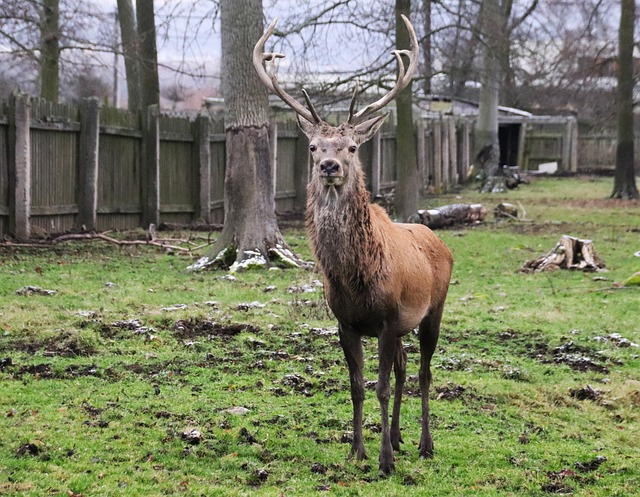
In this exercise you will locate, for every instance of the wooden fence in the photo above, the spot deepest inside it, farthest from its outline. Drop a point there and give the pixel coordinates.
(66, 167)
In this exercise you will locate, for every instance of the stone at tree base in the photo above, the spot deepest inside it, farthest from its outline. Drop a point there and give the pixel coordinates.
(569, 253)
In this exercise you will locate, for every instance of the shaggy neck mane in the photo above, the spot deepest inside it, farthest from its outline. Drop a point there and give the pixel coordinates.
(346, 245)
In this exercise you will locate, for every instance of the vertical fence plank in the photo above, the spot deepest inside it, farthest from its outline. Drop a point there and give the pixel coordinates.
(453, 151)
(151, 181)
(204, 168)
(421, 156)
(445, 154)
(273, 144)
(466, 150)
(437, 155)
(20, 167)
(573, 140)
(376, 159)
(88, 165)
(302, 170)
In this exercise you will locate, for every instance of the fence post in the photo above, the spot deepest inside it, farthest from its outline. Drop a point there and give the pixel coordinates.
(445, 154)
(273, 145)
(204, 168)
(437, 155)
(453, 151)
(421, 155)
(466, 151)
(151, 154)
(573, 139)
(376, 164)
(301, 170)
(88, 164)
(522, 138)
(20, 166)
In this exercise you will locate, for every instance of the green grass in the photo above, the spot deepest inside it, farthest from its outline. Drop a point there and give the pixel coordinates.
(93, 407)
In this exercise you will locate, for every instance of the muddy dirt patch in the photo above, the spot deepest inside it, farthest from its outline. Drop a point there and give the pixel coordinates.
(189, 329)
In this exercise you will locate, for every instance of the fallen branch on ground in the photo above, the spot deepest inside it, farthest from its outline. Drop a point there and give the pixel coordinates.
(103, 236)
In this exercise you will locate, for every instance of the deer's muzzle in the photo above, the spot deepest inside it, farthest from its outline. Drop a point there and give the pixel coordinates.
(331, 172)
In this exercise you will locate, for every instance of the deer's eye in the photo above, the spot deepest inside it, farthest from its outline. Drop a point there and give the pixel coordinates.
(312, 148)
(353, 149)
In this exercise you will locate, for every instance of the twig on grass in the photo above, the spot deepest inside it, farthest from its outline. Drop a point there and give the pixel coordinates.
(162, 243)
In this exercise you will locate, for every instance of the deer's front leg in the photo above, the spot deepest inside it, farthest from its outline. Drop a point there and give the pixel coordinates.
(352, 346)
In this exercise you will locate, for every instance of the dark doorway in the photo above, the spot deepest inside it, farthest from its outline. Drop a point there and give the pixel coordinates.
(508, 136)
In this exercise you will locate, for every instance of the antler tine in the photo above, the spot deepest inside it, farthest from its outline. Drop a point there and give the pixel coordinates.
(404, 76)
(352, 105)
(312, 109)
(271, 81)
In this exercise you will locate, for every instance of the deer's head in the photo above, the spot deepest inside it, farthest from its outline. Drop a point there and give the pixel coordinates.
(334, 149)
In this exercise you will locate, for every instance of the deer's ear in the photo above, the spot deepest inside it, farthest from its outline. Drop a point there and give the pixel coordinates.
(364, 131)
(308, 128)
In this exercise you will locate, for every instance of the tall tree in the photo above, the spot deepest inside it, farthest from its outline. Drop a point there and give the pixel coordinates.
(427, 70)
(149, 82)
(250, 226)
(624, 185)
(131, 51)
(492, 23)
(50, 50)
(406, 198)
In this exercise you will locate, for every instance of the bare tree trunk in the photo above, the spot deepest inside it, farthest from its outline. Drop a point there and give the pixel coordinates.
(624, 181)
(426, 47)
(150, 84)
(250, 233)
(130, 48)
(406, 198)
(486, 132)
(50, 50)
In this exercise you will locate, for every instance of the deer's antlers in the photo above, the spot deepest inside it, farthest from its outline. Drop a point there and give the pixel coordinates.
(271, 81)
(404, 78)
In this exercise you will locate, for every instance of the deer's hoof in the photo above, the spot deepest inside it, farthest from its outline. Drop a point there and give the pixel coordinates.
(358, 454)
(387, 468)
(426, 454)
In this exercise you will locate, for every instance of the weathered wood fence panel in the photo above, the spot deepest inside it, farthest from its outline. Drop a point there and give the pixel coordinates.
(179, 191)
(58, 174)
(4, 169)
(597, 152)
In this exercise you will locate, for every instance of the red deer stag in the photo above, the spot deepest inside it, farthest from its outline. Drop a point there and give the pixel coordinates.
(382, 279)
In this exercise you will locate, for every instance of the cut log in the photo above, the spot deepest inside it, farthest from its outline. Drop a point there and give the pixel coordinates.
(450, 215)
(569, 253)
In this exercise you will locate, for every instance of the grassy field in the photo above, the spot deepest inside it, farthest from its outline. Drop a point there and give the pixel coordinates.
(136, 378)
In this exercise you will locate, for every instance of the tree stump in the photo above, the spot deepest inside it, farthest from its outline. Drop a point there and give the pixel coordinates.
(505, 210)
(569, 253)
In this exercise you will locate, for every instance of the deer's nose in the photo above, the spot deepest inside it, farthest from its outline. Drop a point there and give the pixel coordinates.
(329, 167)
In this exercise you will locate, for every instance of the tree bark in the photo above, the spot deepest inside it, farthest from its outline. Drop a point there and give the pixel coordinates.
(130, 49)
(426, 47)
(150, 85)
(250, 232)
(406, 198)
(452, 215)
(50, 50)
(624, 186)
(486, 132)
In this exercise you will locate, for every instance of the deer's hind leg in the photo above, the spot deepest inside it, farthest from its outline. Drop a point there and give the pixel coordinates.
(429, 331)
(400, 371)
